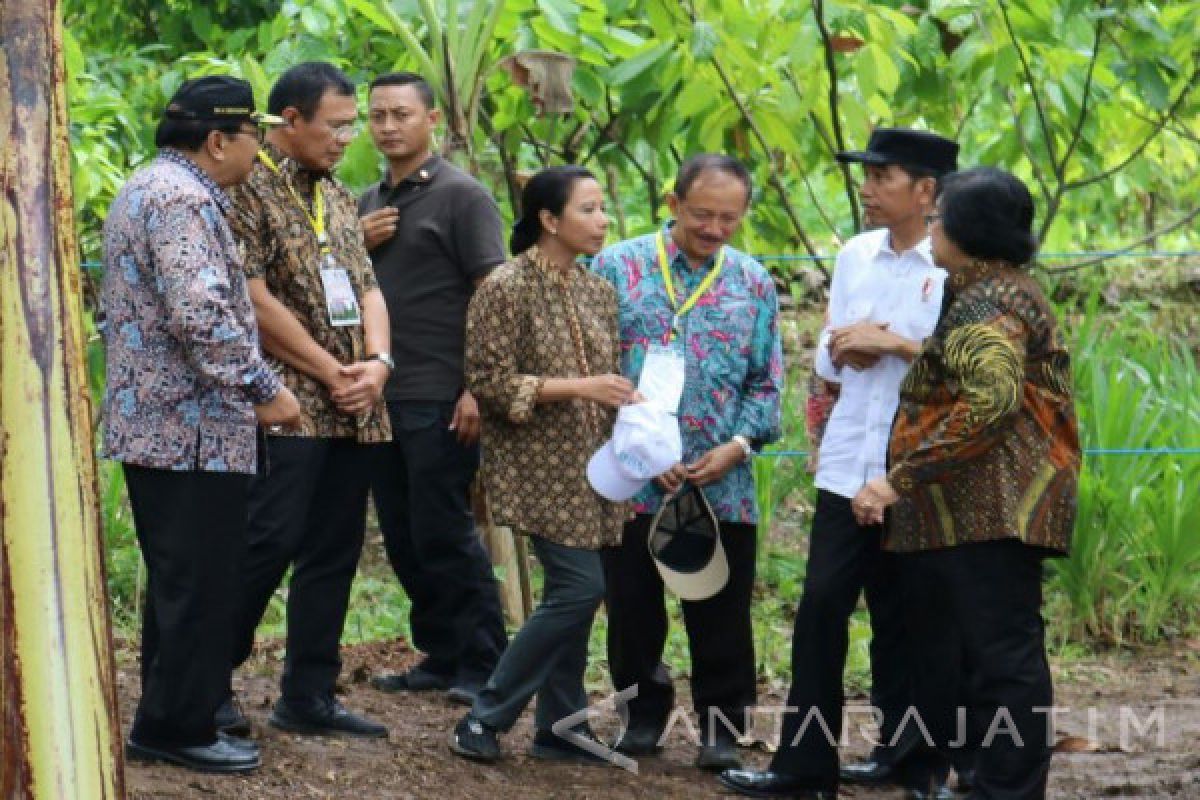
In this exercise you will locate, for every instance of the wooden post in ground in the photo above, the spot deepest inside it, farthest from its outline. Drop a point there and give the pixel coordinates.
(508, 552)
(58, 724)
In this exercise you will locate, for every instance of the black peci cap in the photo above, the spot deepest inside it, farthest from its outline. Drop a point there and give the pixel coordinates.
(908, 148)
(216, 98)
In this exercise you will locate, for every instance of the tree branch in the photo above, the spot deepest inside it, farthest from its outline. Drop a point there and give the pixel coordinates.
(839, 138)
(1179, 223)
(1037, 98)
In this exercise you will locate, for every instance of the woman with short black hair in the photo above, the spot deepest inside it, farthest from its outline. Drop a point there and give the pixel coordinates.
(542, 357)
(981, 486)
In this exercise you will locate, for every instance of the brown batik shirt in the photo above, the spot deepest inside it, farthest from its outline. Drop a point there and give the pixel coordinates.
(985, 444)
(280, 246)
(519, 333)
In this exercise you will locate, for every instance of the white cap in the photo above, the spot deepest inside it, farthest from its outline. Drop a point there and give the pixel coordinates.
(685, 544)
(645, 444)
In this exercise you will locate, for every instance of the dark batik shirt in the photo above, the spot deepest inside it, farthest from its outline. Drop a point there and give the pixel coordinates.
(985, 444)
(280, 247)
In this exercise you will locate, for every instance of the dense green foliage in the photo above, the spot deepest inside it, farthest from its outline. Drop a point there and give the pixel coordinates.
(1094, 103)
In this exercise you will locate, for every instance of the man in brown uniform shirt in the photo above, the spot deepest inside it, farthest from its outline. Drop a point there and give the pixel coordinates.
(325, 330)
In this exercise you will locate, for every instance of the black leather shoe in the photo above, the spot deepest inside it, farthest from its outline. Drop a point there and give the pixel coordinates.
(639, 741)
(417, 679)
(940, 793)
(247, 745)
(219, 757)
(772, 784)
(322, 715)
(718, 756)
(474, 739)
(463, 693)
(549, 746)
(230, 719)
(869, 773)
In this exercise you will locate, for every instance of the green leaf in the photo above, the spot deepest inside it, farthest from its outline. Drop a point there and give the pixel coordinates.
(633, 68)
(1152, 86)
(704, 40)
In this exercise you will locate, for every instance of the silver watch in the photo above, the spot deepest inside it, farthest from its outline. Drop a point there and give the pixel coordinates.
(744, 443)
(386, 358)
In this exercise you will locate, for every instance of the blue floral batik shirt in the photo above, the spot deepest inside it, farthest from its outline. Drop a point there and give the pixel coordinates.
(733, 356)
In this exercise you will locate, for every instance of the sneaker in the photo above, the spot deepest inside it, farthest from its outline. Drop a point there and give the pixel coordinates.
(230, 719)
(549, 746)
(322, 715)
(474, 739)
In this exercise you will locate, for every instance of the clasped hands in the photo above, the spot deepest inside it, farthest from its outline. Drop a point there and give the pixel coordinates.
(356, 387)
(872, 500)
(859, 345)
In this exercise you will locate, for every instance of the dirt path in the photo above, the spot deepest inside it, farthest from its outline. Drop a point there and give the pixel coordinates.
(414, 761)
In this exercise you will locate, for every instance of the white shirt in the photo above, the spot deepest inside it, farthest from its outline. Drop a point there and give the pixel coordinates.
(872, 282)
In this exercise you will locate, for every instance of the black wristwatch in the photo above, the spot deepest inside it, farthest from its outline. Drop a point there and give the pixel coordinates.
(386, 358)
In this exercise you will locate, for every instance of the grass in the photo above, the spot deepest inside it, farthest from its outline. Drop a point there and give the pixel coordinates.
(1133, 577)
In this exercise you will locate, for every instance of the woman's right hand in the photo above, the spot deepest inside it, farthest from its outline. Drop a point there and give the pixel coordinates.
(609, 390)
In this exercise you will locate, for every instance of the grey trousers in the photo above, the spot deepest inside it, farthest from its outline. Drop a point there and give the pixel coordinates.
(548, 655)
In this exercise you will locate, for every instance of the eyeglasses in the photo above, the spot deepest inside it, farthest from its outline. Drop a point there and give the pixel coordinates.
(344, 132)
(932, 218)
(258, 133)
(704, 216)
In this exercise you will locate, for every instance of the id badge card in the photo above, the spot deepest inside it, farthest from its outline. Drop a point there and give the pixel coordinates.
(339, 297)
(662, 376)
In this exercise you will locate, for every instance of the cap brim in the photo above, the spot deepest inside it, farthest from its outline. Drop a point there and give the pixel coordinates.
(862, 157)
(606, 477)
(700, 584)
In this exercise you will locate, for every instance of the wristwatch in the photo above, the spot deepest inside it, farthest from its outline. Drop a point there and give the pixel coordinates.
(386, 358)
(744, 443)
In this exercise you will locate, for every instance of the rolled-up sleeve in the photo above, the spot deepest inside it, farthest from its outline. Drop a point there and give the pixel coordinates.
(191, 264)
(761, 390)
(492, 354)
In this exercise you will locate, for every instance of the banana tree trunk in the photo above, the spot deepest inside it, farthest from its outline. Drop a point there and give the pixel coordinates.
(58, 728)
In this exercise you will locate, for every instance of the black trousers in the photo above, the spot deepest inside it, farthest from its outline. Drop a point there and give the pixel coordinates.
(720, 638)
(191, 527)
(844, 560)
(307, 511)
(983, 599)
(421, 484)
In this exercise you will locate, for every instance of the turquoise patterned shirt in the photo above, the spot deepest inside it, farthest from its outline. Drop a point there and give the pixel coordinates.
(732, 350)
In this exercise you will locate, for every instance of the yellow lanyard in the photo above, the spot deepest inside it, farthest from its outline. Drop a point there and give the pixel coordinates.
(316, 219)
(701, 290)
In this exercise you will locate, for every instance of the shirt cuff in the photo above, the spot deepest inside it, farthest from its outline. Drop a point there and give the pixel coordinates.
(823, 364)
(263, 385)
(521, 409)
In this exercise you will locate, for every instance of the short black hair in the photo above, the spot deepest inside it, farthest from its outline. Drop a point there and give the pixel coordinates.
(190, 134)
(548, 190)
(412, 79)
(916, 173)
(988, 214)
(697, 165)
(303, 86)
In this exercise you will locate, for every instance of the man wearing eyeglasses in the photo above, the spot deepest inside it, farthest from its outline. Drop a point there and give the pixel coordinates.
(325, 332)
(699, 319)
(185, 385)
(885, 298)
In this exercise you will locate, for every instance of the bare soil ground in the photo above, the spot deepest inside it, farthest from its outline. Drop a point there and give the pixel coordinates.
(415, 762)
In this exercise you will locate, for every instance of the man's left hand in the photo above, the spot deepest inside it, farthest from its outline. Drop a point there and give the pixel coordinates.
(366, 385)
(849, 344)
(466, 419)
(872, 500)
(715, 464)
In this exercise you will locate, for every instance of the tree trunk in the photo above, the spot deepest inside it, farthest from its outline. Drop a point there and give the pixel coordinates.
(58, 733)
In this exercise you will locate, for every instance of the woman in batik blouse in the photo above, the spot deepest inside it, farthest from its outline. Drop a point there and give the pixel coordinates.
(542, 357)
(983, 466)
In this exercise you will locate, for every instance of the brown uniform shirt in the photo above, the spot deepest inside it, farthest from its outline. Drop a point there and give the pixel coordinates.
(280, 246)
(519, 332)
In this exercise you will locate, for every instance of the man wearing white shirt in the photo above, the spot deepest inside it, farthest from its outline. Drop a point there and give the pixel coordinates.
(885, 299)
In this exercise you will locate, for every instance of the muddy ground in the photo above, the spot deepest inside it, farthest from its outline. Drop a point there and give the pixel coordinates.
(414, 762)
